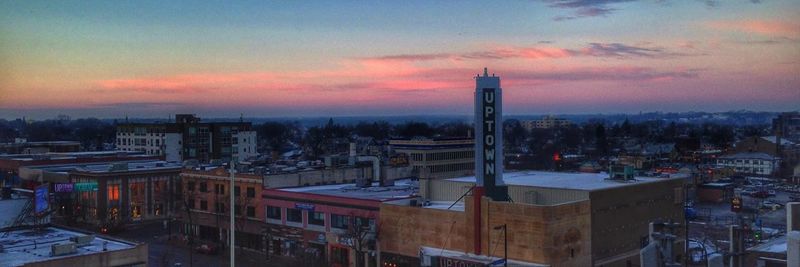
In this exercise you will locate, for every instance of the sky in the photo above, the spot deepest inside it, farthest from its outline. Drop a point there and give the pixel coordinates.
(111, 59)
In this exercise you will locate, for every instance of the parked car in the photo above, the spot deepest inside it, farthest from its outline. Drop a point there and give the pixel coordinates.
(760, 194)
(771, 193)
(794, 198)
(207, 249)
(771, 205)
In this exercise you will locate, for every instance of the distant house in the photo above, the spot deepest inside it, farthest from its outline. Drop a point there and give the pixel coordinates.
(759, 164)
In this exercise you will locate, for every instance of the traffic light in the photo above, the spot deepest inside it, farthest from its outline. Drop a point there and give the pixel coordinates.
(757, 235)
(736, 204)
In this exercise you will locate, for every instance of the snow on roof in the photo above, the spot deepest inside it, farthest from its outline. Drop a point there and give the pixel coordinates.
(444, 205)
(749, 155)
(9, 209)
(452, 254)
(25, 246)
(777, 245)
(773, 139)
(563, 180)
(401, 189)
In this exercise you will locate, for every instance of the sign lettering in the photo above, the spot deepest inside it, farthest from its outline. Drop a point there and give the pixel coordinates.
(489, 133)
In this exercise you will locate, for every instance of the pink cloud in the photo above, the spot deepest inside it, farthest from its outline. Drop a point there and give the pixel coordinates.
(762, 27)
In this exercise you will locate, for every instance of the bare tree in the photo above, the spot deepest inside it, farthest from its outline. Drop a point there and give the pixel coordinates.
(359, 235)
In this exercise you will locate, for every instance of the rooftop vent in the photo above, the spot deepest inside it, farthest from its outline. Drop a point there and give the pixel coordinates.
(63, 249)
(82, 241)
(621, 173)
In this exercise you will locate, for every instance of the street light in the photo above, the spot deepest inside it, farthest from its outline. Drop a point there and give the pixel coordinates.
(505, 242)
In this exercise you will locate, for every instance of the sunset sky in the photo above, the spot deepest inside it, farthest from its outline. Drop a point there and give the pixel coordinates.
(302, 58)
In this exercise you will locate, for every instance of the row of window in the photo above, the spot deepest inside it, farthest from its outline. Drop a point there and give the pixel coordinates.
(318, 218)
(219, 207)
(219, 189)
(138, 142)
(452, 167)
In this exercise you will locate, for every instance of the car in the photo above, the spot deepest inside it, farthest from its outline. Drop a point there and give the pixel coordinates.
(771, 193)
(794, 198)
(209, 249)
(771, 205)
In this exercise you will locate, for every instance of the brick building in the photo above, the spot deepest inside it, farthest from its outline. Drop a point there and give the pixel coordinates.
(206, 207)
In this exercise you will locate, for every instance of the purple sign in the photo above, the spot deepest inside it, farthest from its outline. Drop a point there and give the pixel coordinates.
(304, 206)
(63, 188)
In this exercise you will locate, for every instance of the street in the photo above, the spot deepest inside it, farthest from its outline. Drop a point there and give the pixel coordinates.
(174, 252)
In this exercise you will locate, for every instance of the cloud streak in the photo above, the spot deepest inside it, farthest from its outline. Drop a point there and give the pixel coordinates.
(584, 8)
(603, 50)
(760, 27)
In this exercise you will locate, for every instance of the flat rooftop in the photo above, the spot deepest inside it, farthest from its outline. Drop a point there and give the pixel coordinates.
(401, 189)
(25, 246)
(73, 155)
(777, 245)
(565, 180)
(108, 167)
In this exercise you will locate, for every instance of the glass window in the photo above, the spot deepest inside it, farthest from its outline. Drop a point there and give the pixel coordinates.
(203, 205)
(317, 218)
(204, 187)
(190, 186)
(274, 212)
(339, 221)
(237, 191)
(251, 212)
(294, 215)
(251, 192)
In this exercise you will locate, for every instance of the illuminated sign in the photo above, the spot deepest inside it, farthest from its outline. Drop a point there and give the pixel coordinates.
(63, 188)
(489, 136)
(85, 187)
(448, 262)
(736, 204)
(304, 206)
(40, 196)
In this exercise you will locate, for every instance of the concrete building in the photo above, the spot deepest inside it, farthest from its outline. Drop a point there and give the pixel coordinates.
(438, 158)
(22, 146)
(206, 207)
(53, 246)
(547, 122)
(555, 219)
(189, 138)
(758, 164)
(334, 224)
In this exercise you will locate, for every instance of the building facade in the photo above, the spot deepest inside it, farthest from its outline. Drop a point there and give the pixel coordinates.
(548, 122)
(189, 139)
(206, 207)
(22, 146)
(334, 224)
(113, 194)
(759, 164)
(438, 158)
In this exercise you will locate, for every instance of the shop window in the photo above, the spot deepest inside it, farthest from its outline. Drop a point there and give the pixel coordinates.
(113, 192)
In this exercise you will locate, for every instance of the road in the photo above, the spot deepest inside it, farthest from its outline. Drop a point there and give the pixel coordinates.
(169, 252)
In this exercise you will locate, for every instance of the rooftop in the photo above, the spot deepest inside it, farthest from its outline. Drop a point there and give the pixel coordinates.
(749, 155)
(400, 189)
(777, 245)
(25, 246)
(565, 180)
(73, 155)
(108, 167)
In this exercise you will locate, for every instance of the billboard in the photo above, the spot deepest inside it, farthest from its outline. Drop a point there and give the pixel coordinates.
(41, 195)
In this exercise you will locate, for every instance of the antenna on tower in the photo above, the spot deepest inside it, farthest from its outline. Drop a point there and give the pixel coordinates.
(485, 72)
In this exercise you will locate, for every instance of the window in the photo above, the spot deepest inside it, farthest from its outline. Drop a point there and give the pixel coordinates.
(317, 218)
(294, 215)
(190, 186)
(204, 187)
(219, 189)
(251, 212)
(237, 191)
(251, 192)
(219, 207)
(339, 221)
(237, 210)
(190, 203)
(203, 205)
(273, 212)
(113, 192)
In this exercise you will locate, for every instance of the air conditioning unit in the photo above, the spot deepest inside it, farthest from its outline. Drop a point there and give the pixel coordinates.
(82, 241)
(63, 249)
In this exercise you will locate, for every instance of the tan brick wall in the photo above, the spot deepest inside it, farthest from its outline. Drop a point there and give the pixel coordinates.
(557, 235)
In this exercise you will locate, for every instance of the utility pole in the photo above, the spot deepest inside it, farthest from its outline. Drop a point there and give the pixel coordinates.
(231, 236)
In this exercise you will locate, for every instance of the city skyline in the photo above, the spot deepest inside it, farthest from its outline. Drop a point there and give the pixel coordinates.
(152, 59)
